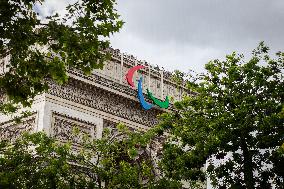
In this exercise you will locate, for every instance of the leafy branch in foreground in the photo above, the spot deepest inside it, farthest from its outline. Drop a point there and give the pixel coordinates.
(118, 160)
(37, 49)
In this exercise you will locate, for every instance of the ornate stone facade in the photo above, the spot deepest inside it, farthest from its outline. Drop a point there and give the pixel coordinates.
(111, 127)
(68, 129)
(98, 101)
(89, 95)
(89, 104)
(155, 78)
(11, 130)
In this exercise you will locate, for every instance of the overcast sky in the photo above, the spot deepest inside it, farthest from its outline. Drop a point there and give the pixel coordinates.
(186, 34)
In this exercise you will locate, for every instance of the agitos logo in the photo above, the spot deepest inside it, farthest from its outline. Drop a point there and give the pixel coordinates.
(145, 105)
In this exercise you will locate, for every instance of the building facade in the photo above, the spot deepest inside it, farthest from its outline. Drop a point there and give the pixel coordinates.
(94, 102)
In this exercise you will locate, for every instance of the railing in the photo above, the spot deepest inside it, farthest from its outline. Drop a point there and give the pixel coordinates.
(157, 80)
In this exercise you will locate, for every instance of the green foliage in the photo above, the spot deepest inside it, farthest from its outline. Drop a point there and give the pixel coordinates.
(120, 160)
(178, 77)
(36, 161)
(234, 118)
(39, 50)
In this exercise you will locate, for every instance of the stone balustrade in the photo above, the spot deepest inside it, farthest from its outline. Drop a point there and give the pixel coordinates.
(157, 80)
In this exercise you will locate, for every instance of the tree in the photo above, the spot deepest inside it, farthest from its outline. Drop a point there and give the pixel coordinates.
(119, 160)
(234, 122)
(37, 161)
(40, 49)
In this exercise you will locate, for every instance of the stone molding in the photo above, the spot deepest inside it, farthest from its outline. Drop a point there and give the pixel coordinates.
(103, 100)
(63, 127)
(10, 130)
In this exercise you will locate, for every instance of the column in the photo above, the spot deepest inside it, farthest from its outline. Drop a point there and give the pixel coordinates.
(162, 85)
(149, 81)
(121, 69)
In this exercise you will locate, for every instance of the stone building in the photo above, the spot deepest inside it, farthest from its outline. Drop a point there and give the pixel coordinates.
(94, 102)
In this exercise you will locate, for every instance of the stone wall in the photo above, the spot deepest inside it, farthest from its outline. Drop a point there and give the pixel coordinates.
(11, 130)
(94, 102)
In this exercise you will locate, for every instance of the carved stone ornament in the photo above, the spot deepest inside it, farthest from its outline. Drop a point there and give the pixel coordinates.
(69, 129)
(104, 100)
(11, 130)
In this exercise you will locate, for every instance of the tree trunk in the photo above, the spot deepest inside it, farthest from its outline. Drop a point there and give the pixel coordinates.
(248, 165)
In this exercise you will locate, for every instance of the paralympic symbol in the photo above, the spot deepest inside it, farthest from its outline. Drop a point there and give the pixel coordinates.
(144, 104)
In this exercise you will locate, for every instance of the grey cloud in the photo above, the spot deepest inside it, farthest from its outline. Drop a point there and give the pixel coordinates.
(183, 34)
(205, 22)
